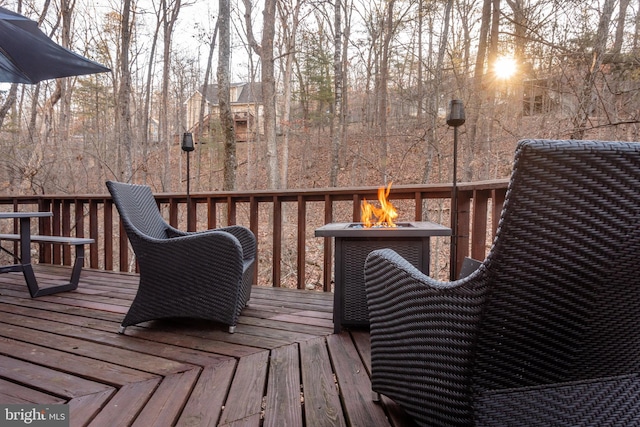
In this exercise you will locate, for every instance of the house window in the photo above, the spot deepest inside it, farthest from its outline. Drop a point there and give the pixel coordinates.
(535, 97)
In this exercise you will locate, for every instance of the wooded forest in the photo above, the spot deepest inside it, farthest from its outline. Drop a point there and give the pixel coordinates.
(353, 92)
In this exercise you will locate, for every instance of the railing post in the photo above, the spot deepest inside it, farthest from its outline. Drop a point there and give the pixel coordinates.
(253, 226)
(277, 241)
(108, 234)
(417, 200)
(124, 248)
(302, 237)
(464, 230)
(93, 233)
(327, 261)
(480, 206)
(66, 231)
(231, 211)
(211, 213)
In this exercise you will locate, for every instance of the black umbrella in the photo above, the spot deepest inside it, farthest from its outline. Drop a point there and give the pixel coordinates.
(27, 55)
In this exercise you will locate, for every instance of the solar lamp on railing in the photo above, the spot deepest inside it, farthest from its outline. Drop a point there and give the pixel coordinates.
(455, 118)
(187, 146)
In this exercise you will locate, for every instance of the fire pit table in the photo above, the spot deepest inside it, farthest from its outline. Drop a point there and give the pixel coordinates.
(353, 243)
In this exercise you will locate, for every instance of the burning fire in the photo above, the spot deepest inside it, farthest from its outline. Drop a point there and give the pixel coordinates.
(383, 216)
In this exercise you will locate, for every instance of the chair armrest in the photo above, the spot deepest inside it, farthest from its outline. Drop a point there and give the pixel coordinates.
(246, 237)
(421, 328)
(394, 286)
(211, 251)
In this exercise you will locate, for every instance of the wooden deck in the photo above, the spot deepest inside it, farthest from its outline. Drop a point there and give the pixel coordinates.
(282, 367)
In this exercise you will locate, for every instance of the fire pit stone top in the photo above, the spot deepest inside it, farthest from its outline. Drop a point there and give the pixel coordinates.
(403, 229)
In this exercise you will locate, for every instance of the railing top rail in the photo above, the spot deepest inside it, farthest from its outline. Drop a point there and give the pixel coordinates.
(314, 194)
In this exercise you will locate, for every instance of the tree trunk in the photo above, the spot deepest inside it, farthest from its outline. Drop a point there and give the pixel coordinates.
(66, 12)
(587, 101)
(384, 91)
(289, 20)
(9, 102)
(431, 137)
(617, 45)
(169, 19)
(147, 95)
(483, 139)
(420, 88)
(477, 93)
(123, 118)
(336, 131)
(203, 102)
(636, 30)
(348, 10)
(224, 98)
(265, 51)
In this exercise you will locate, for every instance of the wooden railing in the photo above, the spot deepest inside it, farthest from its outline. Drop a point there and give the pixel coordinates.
(283, 221)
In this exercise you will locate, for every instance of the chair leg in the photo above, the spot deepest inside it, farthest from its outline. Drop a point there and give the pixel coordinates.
(232, 329)
(375, 396)
(121, 329)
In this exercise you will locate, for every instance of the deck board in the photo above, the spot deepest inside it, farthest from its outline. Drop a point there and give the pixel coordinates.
(124, 407)
(165, 406)
(83, 409)
(354, 383)
(321, 395)
(11, 393)
(208, 396)
(282, 406)
(246, 392)
(282, 367)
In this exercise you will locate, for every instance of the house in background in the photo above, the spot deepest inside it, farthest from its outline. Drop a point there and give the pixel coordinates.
(246, 106)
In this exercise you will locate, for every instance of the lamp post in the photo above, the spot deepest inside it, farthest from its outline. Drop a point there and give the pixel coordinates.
(187, 145)
(455, 118)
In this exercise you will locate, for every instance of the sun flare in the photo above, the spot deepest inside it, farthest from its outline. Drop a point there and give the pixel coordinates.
(505, 67)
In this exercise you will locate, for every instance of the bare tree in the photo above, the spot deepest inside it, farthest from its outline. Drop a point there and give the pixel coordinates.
(347, 8)
(203, 100)
(147, 92)
(169, 16)
(224, 97)
(636, 32)
(384, 91)
(123, 117)
(289, 14)
(265, 51)
(587, 97)
(9, 102)
(12, 95)
(336, 121)
(419, 78)
(477, 94)
(622, 14)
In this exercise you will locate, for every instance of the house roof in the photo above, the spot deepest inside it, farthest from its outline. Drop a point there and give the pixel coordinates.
(247, 93)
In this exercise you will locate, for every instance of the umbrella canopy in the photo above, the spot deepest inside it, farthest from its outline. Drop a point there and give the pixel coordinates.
(27, 55)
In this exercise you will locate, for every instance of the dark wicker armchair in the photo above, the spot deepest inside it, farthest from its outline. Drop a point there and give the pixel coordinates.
(204, 275)
(546, 332)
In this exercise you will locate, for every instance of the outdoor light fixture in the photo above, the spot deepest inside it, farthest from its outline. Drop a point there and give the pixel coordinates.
(187, 146)
(455, 118)
(187, 142)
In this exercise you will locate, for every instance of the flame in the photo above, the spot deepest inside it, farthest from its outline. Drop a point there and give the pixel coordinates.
(383, 216)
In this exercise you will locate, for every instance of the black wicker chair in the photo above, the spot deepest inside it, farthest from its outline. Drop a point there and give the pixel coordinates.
(204, 275)
(546, 332)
